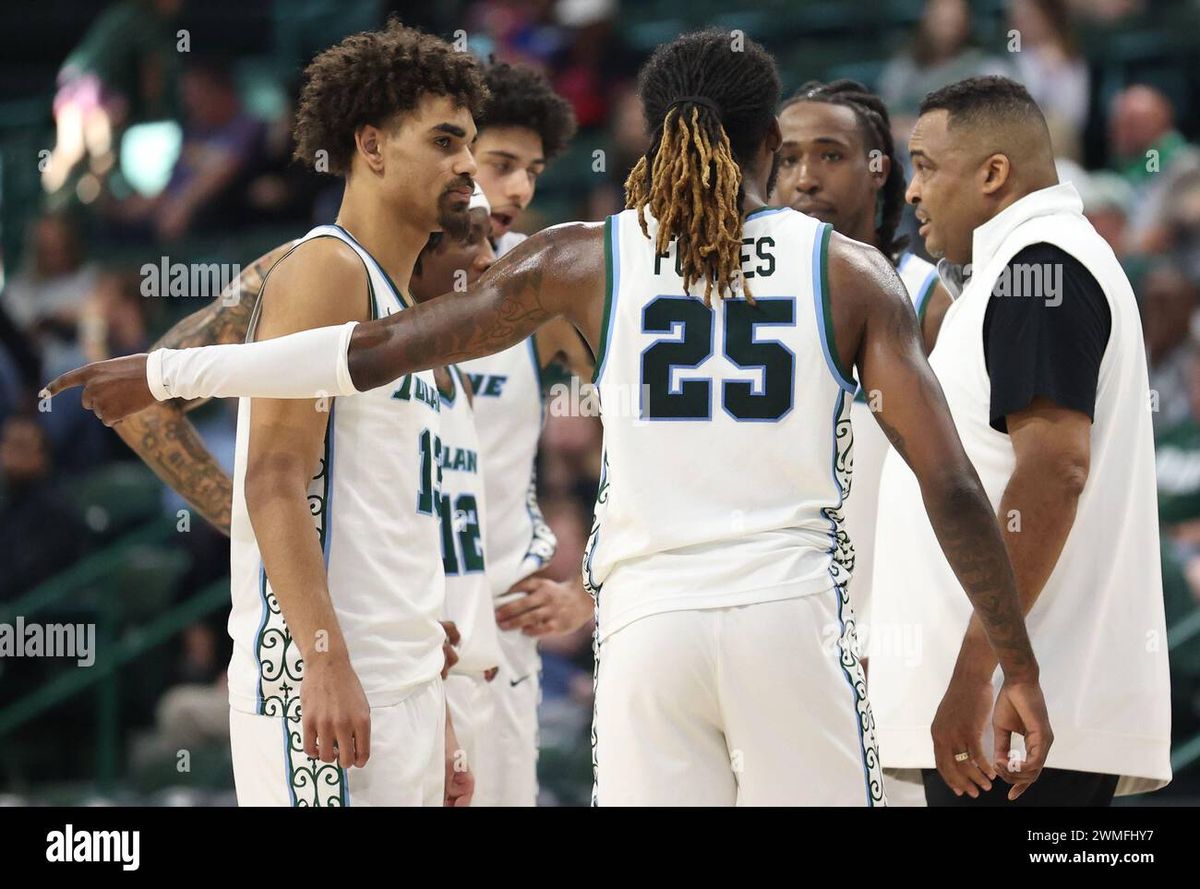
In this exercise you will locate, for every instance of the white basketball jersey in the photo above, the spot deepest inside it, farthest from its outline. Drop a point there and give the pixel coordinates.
(463, 523)
(508, 417)
(374, 499)
(727, 439)
(870, 447)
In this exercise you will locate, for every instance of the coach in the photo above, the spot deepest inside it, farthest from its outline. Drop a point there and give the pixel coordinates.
(1042, 363)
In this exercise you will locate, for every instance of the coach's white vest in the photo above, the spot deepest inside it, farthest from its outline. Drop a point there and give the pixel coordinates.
(1098, 627)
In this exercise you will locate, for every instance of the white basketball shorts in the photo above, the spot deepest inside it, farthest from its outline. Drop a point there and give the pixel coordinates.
(406, 767)
(754, 705)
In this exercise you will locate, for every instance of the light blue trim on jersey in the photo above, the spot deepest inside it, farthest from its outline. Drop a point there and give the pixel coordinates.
(819, 298)
(262, 625)
(287, 759)
(329, 456)
(614, 288)
(840, 404)
(531, 341)
(763, 212)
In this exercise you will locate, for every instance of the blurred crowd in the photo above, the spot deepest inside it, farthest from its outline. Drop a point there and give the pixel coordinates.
(164, 151)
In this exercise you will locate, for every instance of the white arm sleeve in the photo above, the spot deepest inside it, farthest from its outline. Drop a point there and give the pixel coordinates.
(309, 364)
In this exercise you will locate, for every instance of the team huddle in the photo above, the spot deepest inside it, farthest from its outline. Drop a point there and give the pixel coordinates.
(778, 452)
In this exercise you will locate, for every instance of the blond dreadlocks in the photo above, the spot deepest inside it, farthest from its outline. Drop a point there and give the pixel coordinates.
(690, 179)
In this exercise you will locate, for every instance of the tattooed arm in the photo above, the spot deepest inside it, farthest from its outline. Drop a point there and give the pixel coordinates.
(162, 435)
(557, 272)
(560, 271)
(876, 330)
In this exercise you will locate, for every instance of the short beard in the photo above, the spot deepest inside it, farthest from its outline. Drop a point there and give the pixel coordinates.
(456, 223)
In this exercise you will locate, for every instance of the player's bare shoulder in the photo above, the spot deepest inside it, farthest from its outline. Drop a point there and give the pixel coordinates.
(864, 289)
(322, 280)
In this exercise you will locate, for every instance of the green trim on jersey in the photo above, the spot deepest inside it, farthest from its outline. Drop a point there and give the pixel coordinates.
(609, 278)
(923, 298)
(827, 309)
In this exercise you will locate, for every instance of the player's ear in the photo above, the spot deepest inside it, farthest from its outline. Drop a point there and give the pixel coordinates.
(774, 136)
(369, 141)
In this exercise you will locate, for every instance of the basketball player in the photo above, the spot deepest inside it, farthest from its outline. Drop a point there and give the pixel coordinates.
(717, 554)
(523, 127)
(335, 664)
(451, 260)
(838, 164)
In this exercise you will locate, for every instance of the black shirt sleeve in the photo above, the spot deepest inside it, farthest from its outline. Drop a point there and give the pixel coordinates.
(1044, 333)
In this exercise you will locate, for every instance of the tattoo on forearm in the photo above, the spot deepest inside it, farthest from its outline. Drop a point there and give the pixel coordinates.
(970, 538)
(503, 309)
(893, 436)
(163, 437)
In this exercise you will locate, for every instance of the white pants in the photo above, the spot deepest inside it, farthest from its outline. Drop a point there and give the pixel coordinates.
(510, 759)
(471, 706)
(406, 768)
(761, 704)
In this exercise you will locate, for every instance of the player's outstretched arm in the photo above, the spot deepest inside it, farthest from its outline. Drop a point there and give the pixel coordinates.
(558, 271)
(884, 341)
(163, 436)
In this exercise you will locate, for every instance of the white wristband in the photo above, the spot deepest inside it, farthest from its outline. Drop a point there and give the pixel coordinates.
(154, 372)
(310, 364)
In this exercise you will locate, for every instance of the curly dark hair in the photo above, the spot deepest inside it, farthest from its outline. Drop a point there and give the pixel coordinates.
(523, 97)
(876, 127)
(370, 77)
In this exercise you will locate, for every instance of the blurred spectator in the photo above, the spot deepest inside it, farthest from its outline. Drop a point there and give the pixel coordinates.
(283, 190)
(1168, 303)
(120, 72)
(941, 53)
(46, 296)
(1050, 65)
(1109, 12)
(592, 64)
(629, 143)
(113, 321)
(1106, 202)
(222, 146)
(40, 528)
(1153, 157)
(1180, 235)
(1177, 461)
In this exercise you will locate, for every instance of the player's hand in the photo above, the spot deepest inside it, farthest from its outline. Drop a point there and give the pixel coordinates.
(549, 607)
(334, 712)
(112, 389)
(958, 728)
(460, 782)
(1021, 708)
(453, 637)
